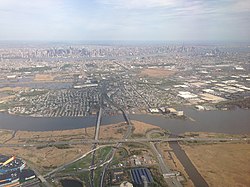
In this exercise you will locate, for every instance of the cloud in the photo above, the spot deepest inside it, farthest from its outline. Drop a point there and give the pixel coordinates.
(160, 9)
(29, 9)
(28, 3)
(138, 4)
(181, 6)
(32, 12)
(241, 6)
(124, 19)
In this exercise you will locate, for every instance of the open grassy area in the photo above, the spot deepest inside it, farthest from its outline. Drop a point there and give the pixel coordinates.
(214, 135)
(142, 128)
(158, 177)
(5, 135)
(120, 155)
(47, 158)
(114, 131)
(101, 154)
(222, 164)
(81, 164)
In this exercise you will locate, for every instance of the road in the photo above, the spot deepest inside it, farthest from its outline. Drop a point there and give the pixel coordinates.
(126, 135)
(171, 181)
(48, 175)
(40, 177)
(168, 174)
(65, 165)
(166, 171)
(12, 136)
(97, 130)
(126, 140)
(94, 148)
(98, 123)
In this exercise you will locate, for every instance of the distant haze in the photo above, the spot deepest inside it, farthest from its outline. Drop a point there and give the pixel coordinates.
(148, 20)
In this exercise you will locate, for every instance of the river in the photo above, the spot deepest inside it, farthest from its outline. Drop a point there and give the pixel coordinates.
(234, 122)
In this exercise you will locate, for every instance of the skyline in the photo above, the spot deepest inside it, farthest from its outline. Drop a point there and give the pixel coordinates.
(149, 20)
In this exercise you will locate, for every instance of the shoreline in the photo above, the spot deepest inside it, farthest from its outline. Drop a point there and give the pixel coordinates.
(209, 121)
(171, 115)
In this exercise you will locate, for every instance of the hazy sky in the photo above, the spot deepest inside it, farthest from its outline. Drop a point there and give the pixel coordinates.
(224, 20)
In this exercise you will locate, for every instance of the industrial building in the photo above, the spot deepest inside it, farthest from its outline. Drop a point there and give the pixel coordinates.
(140, 176)
(10, 164)
(11, 169)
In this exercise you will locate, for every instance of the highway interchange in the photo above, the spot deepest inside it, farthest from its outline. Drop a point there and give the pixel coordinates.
(135, 140)
(169, 177)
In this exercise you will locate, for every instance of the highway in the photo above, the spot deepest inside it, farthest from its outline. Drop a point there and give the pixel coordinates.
(98, 123)
(118, 144)
(171, 181)
(97, 130)
(126, 140)
(65, 165)
(168, 175)
(60, 168)
(128, 133)
(94, 148)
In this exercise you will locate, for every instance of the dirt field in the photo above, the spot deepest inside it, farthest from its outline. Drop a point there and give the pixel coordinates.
(142, 128)
(222, 164)
(44, 77)
(157, 72)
